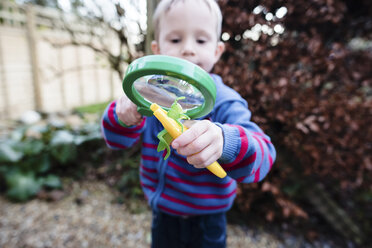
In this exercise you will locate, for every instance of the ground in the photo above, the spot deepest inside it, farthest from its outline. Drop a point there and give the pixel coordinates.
(89, 216)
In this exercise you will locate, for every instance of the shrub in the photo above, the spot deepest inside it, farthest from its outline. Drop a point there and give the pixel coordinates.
(310, 88)
(30, 156)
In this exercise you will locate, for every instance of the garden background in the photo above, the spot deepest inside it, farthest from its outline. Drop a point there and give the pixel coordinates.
(303, 66)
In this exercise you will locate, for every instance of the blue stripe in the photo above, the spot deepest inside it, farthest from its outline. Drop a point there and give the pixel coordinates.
(119, 138)
(154, 198)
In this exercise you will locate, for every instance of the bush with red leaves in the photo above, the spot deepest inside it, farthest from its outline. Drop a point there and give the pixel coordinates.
(307, 77)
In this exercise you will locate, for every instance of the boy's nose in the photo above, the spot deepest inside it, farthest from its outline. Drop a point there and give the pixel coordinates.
(188, 49)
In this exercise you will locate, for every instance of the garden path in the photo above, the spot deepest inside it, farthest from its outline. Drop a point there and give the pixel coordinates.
(89, 217)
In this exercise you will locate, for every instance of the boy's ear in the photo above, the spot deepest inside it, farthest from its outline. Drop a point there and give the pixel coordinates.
(155, 47)
(219, 50)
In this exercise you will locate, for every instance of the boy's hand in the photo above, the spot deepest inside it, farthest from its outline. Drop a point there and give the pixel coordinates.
(126, 110)
(202, 143)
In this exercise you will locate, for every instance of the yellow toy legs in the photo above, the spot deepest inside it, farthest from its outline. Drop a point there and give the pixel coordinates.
(175, 130)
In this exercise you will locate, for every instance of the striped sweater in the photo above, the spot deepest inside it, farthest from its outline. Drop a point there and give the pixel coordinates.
(176, 187)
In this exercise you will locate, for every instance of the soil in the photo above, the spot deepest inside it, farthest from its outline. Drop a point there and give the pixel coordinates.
(89, 216)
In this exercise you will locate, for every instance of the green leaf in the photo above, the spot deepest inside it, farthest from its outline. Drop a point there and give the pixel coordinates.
(64, 153)
(43, 164)
(9, 154)
(91, 128)
(80, 139)
(32, 146)
(63, 147)
(3, 169)
(62, 137)
(18, 134)
(52, 181)
(21, 186)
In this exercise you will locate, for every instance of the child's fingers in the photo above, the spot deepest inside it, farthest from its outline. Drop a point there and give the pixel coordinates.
(196, 146)
(126, 111)
(189, 123)
(204, 157)
(202, 144)
(190, 135)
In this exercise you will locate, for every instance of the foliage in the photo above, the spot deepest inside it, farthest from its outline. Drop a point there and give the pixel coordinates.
(30, 155)
(310, 88)
(45, 3)
(92, 109)
(89, 23)
(117, 19)
(128, 183)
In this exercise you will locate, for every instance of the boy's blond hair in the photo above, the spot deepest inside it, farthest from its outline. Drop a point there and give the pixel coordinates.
(165, 5)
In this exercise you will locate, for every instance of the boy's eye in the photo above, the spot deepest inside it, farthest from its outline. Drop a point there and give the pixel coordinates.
(175, 40)
(200, 41)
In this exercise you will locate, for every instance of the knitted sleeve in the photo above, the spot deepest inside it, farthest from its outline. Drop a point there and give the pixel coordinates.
(248, 153)
(116, 135)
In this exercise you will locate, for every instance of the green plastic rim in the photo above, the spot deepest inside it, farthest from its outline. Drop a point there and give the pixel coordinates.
(173, 67)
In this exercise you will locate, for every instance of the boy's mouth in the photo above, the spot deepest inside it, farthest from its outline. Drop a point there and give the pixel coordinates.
(194, 62)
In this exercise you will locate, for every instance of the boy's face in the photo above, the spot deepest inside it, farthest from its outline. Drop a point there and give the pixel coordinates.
(189, 31)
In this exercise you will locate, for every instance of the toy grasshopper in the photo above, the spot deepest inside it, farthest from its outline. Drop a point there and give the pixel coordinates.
(176, 113)
(173, 129)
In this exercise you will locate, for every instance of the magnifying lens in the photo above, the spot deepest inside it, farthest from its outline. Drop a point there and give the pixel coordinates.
(155, 82)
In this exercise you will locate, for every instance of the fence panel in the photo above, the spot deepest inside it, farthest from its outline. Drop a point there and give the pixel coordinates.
(35, 74)
(16, 80)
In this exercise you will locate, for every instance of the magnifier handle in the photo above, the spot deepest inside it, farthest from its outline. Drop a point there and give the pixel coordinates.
(174, 129)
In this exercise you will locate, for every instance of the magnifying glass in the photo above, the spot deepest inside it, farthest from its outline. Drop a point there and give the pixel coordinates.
(155, 82)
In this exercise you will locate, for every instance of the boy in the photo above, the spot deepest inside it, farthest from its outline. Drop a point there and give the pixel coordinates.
(189, 203)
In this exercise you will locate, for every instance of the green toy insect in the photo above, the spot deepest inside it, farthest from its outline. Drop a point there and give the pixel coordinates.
(177, 113)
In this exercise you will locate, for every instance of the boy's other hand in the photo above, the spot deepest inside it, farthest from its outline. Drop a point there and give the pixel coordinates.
(202, 143)
(126, 110)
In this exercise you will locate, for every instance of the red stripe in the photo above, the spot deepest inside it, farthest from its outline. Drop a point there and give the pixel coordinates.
(149, 170)
(114, 144)
(111, 116)
(149, 145)
(267, 142)
(240, 179)
(149, 178)
(243, 146)
(148, 187)
(174, 211)
(248, 161)
(243, 163)
(191, 205)
(150, 158)
(257, 174)
(203, 184)
(202, 196)
(107, 126)
(184, 171)
(263, 137)
(270, 161)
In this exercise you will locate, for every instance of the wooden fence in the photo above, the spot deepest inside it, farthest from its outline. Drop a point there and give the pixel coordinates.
(37, 75)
